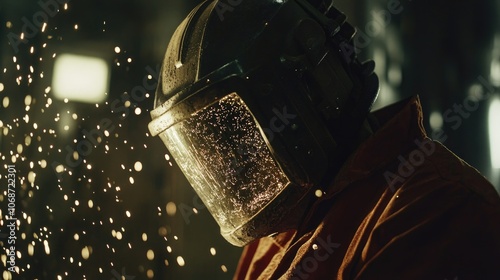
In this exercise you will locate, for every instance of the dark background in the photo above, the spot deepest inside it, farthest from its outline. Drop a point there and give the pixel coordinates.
(141, 223)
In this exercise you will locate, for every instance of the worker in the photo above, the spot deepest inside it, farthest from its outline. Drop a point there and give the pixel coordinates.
(265, 108)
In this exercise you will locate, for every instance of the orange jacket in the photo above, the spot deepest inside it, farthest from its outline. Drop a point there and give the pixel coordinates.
(402, 207)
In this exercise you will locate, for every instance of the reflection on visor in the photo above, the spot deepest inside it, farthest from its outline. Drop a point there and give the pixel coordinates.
(221, 151)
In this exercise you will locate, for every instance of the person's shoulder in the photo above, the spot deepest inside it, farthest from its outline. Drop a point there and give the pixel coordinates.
(432, 177)
(451, 172)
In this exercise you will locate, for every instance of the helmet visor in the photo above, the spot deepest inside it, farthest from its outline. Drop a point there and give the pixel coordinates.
(223, 152)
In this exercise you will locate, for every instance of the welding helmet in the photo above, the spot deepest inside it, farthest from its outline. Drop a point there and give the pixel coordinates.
(258, 102)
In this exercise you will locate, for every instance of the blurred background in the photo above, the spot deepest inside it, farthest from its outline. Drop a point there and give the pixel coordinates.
(97, 198)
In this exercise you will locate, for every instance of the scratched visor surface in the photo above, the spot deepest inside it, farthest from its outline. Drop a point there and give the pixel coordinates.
(223, 153)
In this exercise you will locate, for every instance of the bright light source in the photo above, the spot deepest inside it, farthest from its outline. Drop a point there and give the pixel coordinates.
(495, 62)
(494, 131)
(80, 78)
(436, 120)
(495, 72)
